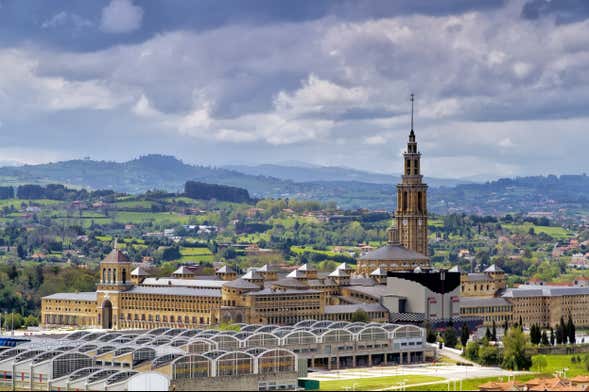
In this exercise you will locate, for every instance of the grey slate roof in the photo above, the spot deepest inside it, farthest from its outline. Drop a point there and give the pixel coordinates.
(252, 275)
(334, 309)
(339, 273)
(378, 272)
(306, 267)
(296, 274)
(393, 252)
(289, 282)
(544, 291)
(362, 282)
(376, 291)
(494, 268)
(225, 270)
(83, 296)
(483, 301)
(185, 291)
(287, 292)
(268, 268)
(241, 284)
(478, 277)
(139, 271)
(116, 256)
(176, 282)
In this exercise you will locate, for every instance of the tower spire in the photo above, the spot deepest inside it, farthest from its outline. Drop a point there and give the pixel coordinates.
(412, 99)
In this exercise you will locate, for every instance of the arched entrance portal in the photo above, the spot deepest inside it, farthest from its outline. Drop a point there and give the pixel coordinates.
(107, 315)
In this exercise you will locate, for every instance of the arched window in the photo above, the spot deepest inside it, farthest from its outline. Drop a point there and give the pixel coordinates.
(124, 276)
(405, 197)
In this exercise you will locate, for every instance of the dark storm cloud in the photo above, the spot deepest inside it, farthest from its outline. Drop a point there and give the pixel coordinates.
(325, 82)
(564, 11)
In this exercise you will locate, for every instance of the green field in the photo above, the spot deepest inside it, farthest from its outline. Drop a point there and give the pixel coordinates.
(372, 383)
(553, 231)
(195, 255)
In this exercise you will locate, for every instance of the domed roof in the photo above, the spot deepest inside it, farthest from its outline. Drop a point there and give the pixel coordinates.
(393, 253)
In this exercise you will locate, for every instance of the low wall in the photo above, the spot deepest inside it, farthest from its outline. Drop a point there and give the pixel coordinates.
(248, 382)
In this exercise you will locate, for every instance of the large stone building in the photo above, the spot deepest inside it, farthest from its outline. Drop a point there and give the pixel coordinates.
(133, 299)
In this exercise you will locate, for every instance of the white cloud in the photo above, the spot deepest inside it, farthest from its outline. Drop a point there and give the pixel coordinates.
(121, 16)
(329, 85)
(64, 18)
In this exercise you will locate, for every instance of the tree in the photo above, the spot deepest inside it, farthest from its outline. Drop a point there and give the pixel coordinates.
(561, 332)
(450, 338)
(472, 350)
(360, 315)
(488, 334)
(571, 330)
(488, 355)
(494, 332)
(539, 363)
(535, 334)
(544, 339)
(464, 335)
(430, 335)
(515, 356)
(552, 336)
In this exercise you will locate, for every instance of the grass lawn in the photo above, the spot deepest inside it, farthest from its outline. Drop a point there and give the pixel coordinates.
(558, 362)
(372, 383)
(471, 384)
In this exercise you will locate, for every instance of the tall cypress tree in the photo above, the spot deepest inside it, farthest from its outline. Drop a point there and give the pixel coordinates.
(464, 335)
(552, 339)
(571, 330)
(562, 329)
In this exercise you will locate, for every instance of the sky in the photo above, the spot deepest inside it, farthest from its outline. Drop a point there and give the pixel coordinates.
(501, 87)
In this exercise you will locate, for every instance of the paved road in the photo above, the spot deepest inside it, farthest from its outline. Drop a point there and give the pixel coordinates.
(455, 355)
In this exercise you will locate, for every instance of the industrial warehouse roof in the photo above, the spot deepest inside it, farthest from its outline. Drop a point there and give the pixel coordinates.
(337, 309)
(393, 252)
(177, 282)
(188, 291)
(483, 301)
(83, 296)
(373, 291)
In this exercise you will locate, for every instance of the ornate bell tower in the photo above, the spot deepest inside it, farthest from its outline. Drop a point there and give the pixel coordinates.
(411, 213)
(115, 277)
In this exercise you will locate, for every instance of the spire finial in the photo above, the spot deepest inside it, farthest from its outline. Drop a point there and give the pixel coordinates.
(412, 99)
(116, 243)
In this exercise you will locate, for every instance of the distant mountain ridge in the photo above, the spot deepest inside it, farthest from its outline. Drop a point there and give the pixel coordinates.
(301, 173)
(349, 188)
